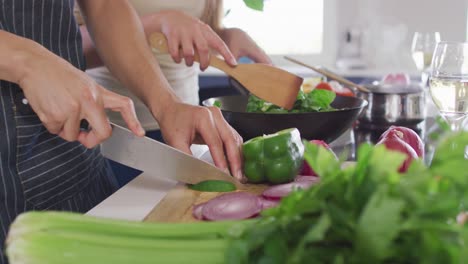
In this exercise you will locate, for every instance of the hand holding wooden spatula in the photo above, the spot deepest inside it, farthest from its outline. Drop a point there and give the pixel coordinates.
(267, 82)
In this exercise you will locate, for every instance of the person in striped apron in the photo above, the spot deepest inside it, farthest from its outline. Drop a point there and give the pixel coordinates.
(46, 162)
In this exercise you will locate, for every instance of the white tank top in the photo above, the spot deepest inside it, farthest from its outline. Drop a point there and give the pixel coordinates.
(183, 79)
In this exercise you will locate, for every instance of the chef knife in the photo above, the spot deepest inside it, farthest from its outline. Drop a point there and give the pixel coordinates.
(158, 159)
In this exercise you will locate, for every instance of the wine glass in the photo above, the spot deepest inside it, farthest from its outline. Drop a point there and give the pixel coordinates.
(448, 83)
(422, 50)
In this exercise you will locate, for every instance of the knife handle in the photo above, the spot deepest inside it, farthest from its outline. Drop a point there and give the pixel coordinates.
(84, 125)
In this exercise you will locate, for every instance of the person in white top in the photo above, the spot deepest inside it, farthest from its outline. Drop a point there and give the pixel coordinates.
(192, 25)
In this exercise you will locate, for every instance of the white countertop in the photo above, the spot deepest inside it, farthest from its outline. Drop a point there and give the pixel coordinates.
(135, 200)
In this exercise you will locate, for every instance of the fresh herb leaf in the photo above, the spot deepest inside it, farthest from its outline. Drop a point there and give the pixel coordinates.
(443, 127)
(318, 231)
(322, 160)
(254, 4)
(448, 158)
(378, 224)
(370, 213)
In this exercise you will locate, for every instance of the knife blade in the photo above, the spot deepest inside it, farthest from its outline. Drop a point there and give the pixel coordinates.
(158, 159)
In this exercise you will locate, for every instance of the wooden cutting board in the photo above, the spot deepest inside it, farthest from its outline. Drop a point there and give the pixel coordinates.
(177, 205)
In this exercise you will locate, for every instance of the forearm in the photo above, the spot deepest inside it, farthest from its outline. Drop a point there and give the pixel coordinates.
(122, 46)
(150, 22)
(14, 54)
(92, 57)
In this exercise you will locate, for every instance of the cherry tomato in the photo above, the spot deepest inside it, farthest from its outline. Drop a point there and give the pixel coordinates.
(345, 92)
(335, 87)
(324, 86)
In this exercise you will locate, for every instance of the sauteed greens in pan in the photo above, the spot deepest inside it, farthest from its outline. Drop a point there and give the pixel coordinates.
(314, 101)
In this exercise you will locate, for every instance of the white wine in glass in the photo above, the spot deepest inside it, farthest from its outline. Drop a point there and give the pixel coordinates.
(422, 48)
(450, 96)
(422, 60)
(449, 82)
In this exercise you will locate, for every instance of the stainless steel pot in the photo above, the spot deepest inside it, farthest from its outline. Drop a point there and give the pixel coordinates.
(393, 105)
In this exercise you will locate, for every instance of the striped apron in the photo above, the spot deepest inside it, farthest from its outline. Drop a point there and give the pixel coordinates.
(38, 170)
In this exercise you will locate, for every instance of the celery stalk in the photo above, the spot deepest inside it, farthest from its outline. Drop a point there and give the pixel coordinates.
(42, 248)
(34, 221)
(52, 237)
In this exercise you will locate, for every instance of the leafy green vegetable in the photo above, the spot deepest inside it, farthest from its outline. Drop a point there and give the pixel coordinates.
(366, 213)
(62, 237)
(374, 233)
(443, 127)
(369, 213)
(318, 100)
(315, 101)
(254, 4)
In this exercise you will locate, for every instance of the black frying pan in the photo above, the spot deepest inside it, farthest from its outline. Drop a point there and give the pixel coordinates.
(325, 126)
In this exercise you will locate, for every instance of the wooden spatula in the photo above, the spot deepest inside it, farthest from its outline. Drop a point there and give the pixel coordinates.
(330, 75)
(267, 82)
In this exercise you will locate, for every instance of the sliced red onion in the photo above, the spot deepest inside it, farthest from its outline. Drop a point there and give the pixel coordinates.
(306, 178)
(197, 211)
(282, 190)
(268, 203)
(232, 206)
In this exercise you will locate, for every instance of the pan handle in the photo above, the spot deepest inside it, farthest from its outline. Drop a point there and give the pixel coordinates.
(239, 87)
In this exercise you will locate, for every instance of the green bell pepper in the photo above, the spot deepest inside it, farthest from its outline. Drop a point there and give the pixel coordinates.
(274, 158)
(213, 186)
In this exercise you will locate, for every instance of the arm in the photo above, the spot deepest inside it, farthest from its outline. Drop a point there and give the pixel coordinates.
(116, 30)
(242, 45)
(151, 23)
(180, 29)
(92, 57)
(14, 52)
(122, 46)
(60, 94)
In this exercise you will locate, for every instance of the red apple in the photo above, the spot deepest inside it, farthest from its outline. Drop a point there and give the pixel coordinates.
(407, 135)
(306, 169)
(394, 143)
(396, 79)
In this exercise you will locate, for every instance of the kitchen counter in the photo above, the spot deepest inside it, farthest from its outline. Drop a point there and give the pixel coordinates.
(135, 200)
